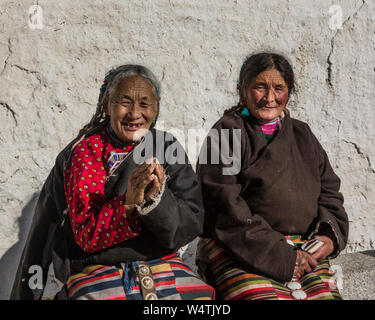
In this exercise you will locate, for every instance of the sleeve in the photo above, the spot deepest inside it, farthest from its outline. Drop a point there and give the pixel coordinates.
(176, 217)
(332, 219)
(96, 224)
(230, 222)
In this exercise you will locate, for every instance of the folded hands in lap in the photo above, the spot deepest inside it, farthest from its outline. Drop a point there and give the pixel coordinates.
(306, 262)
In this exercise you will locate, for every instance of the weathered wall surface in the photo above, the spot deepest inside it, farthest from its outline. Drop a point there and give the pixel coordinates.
(50, 80)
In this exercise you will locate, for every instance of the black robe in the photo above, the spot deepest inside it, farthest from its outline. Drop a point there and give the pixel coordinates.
(286, 187)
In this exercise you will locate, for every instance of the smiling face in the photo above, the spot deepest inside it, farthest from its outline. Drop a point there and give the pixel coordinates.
(132, 108)
(267, 95)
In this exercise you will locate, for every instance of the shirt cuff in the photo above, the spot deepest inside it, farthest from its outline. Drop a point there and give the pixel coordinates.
(325, 229)
(145, 208)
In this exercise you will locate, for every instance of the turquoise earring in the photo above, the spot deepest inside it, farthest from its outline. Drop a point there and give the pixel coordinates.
(245, 112)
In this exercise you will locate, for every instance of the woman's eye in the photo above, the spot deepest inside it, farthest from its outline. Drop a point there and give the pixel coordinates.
(260, 86)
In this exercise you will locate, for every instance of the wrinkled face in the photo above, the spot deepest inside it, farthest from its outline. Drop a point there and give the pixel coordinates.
(267, 95)
(132, 108)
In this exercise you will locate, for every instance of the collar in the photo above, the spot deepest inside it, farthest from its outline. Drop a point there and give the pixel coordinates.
(115, 138)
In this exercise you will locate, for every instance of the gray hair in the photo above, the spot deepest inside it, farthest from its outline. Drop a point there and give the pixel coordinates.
(110, 85)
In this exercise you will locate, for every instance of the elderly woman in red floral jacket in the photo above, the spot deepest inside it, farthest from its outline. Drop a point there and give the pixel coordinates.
(111, 219)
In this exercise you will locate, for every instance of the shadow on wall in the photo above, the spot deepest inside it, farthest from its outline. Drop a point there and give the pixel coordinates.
(10, 260)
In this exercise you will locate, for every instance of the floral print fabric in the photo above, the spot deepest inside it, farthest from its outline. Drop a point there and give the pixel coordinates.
(97, 224)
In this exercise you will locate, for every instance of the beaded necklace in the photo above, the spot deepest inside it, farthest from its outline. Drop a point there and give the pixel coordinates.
(116, 158)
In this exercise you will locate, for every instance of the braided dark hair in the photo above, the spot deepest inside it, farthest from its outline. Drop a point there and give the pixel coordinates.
(257, 63)
(109, 87)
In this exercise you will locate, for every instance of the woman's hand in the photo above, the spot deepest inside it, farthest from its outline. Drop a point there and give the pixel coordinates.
(325, 250)
(305, 263)
(138, 180)
(154, 187)
(143, 183)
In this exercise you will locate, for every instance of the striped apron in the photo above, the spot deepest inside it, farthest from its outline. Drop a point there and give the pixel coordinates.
(167, 278)
(231, 282)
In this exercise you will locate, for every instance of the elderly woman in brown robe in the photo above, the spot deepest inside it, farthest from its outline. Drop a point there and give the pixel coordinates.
(258, 220)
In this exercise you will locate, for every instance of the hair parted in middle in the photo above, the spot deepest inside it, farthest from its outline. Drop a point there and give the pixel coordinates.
(256, 63)
(109, 87)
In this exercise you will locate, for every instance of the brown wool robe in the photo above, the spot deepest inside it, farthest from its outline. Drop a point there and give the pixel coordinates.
(284, 188)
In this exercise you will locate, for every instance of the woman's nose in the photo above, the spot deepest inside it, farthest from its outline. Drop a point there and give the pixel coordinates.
(270, 95)
(135, 111)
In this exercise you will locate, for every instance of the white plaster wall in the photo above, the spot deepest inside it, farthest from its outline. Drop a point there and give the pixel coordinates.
(50, 80)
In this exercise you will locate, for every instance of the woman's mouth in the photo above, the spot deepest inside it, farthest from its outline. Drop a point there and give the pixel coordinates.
(267, 107)
(132, 126)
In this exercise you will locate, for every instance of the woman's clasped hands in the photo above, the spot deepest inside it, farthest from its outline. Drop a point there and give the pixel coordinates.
(306, 262)
(144, 183)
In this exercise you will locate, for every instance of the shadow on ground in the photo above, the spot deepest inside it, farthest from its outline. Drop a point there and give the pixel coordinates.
(369, 253)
